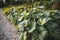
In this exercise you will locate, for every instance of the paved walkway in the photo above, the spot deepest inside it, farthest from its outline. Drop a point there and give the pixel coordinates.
(7, 30)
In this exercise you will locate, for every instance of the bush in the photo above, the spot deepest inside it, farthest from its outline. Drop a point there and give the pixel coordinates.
(35, 23)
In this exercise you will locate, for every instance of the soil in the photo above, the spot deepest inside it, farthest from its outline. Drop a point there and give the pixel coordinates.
(7, 29)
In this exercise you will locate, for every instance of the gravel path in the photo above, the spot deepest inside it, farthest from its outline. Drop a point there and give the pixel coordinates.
(7, 30)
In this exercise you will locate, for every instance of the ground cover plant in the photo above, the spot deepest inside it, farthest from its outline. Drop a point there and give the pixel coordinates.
(33, 23)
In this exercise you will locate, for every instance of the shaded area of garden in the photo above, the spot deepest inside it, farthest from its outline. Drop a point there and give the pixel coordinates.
(37, 20)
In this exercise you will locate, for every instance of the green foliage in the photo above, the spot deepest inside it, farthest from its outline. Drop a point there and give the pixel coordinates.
(33, 23)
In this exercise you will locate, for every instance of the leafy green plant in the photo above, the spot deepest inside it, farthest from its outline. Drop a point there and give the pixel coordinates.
(31, 22)
(35, 23)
